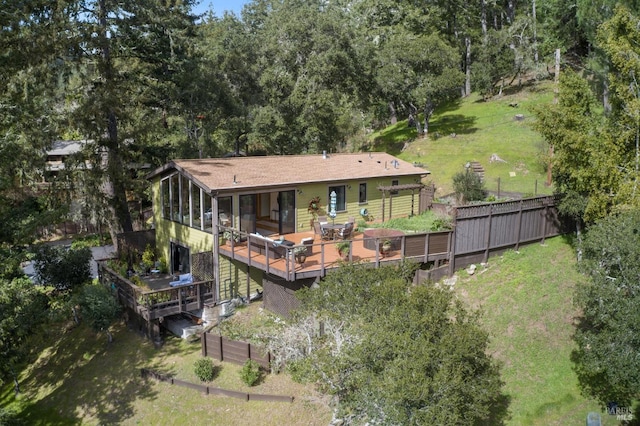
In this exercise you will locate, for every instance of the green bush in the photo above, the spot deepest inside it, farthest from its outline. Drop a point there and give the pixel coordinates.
(468, 186)
(250, 373)
(204, 369)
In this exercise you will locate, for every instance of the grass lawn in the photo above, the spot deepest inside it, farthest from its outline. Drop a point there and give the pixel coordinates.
(79, 379)
(481, 128)
(526, 299)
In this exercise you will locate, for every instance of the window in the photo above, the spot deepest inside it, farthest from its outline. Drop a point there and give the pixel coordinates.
(184, 200)
(175, 197)
(195, 204)
(341, 199)
(165, 197)
(207, 212)
(225, 211)
(362, 193)
(394, 183)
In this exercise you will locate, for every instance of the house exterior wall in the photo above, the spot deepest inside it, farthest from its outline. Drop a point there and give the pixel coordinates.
(234, 275)
(168, 231)
(398, 205)
(233, 278)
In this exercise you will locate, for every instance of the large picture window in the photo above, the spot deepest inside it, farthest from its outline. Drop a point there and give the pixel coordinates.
(175, 198)
(184, 200)
(341, 199)
(165, 194)
(195, 204)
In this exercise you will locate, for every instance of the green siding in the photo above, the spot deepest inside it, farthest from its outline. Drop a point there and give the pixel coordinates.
(401, 203)
(233, 275)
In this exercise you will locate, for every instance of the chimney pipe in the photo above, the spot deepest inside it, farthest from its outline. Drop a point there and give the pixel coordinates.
(324, 155)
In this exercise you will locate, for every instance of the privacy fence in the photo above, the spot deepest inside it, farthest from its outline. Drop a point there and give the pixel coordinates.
(482, 230)
(224, 349)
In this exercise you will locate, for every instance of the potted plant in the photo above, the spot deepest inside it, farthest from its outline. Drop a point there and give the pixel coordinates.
(229, 235)
(385, 247)
(314, 208)
(148, 257)
(300, 253)
(343, 248)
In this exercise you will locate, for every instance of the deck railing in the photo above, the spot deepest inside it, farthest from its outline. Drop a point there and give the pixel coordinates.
(154, 304)
(283, 262)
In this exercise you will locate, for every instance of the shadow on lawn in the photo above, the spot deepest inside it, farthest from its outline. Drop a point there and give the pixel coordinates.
(91, 380)
(498, 411)
(453, 124)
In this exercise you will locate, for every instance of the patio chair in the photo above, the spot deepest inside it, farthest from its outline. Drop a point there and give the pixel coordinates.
(345, 233)
(323, 219)
(320, 231)
(224, 219)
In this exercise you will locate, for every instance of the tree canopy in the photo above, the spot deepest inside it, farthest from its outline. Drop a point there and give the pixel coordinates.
(607, 359)
(392, 352)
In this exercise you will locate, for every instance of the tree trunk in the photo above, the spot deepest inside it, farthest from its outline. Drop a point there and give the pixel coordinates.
(416, 120)
(392, 113)
(114, 183)
(511, 11)
(535, 32)
(16, 384)
(428, 111)
(483, 20)
(109, 337)
(467, 66)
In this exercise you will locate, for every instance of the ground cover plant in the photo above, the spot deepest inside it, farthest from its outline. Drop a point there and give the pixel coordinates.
(472, 129)
(427, 221)
(527, 303)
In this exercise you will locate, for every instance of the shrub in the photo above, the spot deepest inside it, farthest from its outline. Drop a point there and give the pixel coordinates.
(250, 372)
(163, 265)
(468, 186)
(204, 369)
(148, 257)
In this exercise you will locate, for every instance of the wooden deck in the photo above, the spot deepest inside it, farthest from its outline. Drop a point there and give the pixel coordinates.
(324, 254)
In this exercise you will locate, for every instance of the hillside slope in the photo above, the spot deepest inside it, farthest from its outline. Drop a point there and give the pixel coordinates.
(527, 302)
(474, 130)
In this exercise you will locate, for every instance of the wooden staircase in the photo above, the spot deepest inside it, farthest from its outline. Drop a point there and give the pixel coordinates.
(477, 168)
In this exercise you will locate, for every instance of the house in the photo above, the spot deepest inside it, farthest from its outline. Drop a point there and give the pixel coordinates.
(263, 201)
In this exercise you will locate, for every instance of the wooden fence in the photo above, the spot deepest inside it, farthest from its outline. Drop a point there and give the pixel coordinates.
(224, 349)
(491, 228)
(213, 390)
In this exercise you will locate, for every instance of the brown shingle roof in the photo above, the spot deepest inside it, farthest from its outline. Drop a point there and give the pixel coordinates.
(251, 172)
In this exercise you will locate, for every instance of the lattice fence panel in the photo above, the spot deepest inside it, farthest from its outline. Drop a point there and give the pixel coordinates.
(202, 266)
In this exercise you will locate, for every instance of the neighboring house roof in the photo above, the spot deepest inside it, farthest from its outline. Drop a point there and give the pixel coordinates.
(251, 172)
(64, 148)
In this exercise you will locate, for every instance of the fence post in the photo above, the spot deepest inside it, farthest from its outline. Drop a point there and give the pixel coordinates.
(488, 240)
(203, 343)
(498, 187)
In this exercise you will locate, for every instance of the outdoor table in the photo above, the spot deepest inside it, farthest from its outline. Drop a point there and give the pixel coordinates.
(332, 228)
(282, 246)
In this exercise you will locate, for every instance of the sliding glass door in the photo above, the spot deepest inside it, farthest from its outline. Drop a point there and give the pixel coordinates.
(287, 219)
